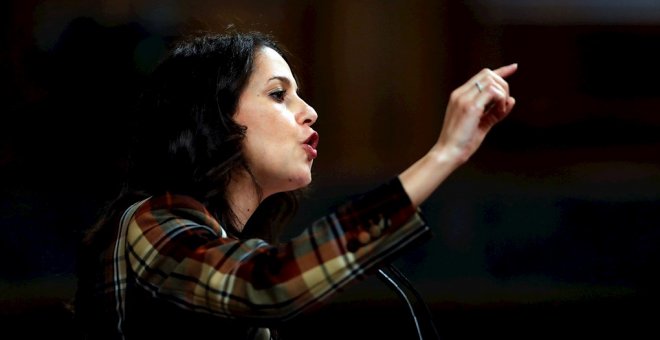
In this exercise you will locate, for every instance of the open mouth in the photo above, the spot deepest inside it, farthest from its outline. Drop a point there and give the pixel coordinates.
(313, 140)
(310, 146)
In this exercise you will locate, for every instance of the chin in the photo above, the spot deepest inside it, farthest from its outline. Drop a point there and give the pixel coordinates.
(294, 183)
(303, 181)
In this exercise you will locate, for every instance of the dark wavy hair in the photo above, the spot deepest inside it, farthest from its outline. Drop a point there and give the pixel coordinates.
(188, 142)
(185, 141)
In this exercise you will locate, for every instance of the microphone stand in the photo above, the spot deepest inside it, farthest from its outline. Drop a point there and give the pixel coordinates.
(419, 311)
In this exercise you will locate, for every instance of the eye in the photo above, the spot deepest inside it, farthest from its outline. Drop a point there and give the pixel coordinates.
(278, 95)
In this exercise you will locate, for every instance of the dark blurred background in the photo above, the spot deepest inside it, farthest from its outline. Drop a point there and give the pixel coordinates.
(551, 230)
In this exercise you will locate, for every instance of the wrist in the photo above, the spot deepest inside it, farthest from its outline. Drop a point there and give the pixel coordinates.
(445, 156)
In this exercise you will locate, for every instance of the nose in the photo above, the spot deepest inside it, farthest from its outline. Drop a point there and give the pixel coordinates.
(308, 115)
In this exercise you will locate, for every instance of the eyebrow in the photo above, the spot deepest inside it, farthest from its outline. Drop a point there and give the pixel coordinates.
(283, 79)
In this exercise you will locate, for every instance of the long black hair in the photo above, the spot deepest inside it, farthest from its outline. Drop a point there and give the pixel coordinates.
(186, 142)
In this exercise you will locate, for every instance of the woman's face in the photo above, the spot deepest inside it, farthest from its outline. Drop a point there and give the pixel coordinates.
(280, 144)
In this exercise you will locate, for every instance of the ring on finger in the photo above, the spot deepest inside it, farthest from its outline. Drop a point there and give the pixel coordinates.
(480, 88)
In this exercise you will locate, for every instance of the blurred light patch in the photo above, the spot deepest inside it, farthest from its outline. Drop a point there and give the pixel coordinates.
(567, 11)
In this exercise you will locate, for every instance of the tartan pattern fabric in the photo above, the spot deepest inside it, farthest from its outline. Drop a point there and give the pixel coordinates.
(171, 247)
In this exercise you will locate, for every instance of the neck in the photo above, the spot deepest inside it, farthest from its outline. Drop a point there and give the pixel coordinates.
(243, 196)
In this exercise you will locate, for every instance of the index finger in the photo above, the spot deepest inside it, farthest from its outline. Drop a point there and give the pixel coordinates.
(507, 70)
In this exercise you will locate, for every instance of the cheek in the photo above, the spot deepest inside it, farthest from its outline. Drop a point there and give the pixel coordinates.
(263, 151)
(269, 138)
(254, 150)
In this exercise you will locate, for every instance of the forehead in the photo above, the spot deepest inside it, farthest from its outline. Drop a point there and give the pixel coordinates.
(269, 63)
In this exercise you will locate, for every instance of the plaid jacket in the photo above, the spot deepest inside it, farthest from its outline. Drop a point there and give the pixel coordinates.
(173, 270)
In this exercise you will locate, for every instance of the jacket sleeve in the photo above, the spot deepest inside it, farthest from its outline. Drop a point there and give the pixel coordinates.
(178, 252)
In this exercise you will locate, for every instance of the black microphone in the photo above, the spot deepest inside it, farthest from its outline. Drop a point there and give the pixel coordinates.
(419, 311)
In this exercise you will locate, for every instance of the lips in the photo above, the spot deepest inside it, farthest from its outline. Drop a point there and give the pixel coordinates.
(310, 145)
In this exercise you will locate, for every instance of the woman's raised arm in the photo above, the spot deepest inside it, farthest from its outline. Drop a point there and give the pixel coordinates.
(473, 109)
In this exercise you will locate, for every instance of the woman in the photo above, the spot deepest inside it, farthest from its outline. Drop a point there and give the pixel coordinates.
(223, 142)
